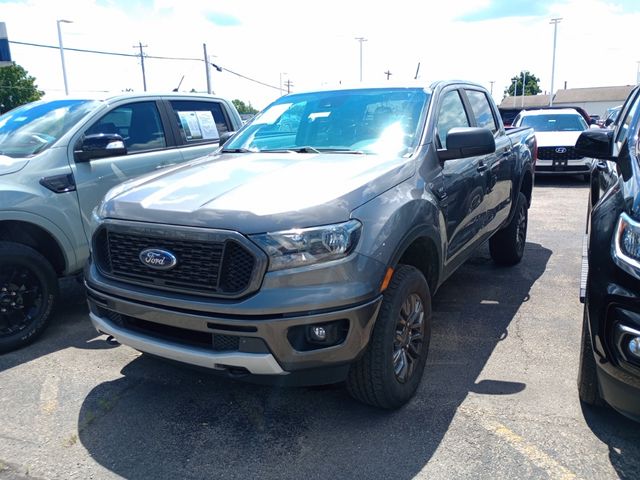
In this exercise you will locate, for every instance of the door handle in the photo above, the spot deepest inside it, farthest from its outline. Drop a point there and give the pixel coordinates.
(482, 167)
(602, 166)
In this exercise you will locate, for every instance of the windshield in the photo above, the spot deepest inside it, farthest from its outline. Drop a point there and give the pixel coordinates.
(555, 123)
(383, 120)
(32, 128)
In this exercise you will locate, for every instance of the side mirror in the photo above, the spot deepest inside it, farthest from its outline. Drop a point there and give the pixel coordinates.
(596, 143)
(225, 137)
(100, 145)
(463, 142)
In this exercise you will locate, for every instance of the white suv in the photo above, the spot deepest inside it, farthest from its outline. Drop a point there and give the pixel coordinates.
(556, 132)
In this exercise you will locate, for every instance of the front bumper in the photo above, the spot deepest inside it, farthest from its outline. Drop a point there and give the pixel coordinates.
(256, 345)
(563, 167)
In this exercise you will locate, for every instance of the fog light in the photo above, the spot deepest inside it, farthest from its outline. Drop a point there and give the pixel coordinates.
(634, 346)
(317, 333)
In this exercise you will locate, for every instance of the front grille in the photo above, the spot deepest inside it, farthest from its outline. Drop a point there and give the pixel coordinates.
(550, 153)
(219, 268)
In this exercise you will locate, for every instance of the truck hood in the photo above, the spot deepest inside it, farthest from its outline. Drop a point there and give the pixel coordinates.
(11, 165)
(557, 139)
(258, 192)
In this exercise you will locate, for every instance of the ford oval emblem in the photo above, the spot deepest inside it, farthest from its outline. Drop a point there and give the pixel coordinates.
(561, 150)
(158, 259)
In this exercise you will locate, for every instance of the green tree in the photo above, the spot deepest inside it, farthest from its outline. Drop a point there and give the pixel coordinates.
(243, 107)
(17, 87)
(531, 86)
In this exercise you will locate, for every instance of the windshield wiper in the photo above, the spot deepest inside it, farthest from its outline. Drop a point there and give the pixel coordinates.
(238, 150)
(341, 150)
(292, 149)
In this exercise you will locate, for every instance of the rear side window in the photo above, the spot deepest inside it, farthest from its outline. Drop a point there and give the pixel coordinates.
(625, 124)
(137, 123)
(450, 115)
(200, 121)
(482, 110)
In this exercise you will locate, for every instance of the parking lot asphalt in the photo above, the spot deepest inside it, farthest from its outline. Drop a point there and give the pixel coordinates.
(498, 398)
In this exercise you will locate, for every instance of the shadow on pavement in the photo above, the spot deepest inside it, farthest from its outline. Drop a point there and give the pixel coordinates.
(563, 181)
(163, 421)
(68, 327)
(618, 433)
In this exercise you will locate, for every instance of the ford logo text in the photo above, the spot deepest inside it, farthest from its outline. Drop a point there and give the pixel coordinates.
(561, 150)
(158, 259)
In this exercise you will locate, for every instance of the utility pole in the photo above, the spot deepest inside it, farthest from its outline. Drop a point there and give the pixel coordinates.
(361, 40)
(388, 74)
(64, 68)
(281, 73)
(554, 22)
(638, 73)
(288, 84)
(515, 92)
(144, 75)
(492, 82)
(206, 68)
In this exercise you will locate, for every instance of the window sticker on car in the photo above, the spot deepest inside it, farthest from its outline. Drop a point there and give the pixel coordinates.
(208, 125)
(190, 124)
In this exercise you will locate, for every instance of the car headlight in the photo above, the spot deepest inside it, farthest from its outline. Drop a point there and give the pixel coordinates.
(306, 246)
(626, 245)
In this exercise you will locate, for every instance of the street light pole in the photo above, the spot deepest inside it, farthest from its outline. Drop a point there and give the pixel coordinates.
(554, 22)
(638, 73)
(492, 82)
(64, 68)
(361, 40)
(524, 81)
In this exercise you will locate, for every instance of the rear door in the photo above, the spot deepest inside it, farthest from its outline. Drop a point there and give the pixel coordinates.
(150, 145)
(496, 169)
(198, 124)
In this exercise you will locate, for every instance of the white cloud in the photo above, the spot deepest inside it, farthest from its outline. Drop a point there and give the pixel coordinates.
(314, 44)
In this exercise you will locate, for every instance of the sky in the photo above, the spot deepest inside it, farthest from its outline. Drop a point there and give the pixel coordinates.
(313, 44)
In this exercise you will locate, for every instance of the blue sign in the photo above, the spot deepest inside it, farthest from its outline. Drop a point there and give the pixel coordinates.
(5, 53)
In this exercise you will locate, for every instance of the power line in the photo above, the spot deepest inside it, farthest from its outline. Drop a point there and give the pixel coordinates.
(137, 55)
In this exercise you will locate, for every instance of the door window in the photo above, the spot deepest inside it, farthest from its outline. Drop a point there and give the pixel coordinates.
(450, 115)
(200, 121)
(137, 123)
(625, 122)
(482, 110)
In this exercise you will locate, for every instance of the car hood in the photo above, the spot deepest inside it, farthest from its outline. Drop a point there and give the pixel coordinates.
(11, 165)
(557, 139)
(258, 192)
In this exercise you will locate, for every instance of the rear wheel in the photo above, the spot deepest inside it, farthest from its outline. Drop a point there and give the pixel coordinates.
(28, 293)
(507, 245)
(390, 370)
(588, 389)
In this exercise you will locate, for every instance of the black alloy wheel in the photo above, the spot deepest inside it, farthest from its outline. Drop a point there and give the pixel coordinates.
(28, 293)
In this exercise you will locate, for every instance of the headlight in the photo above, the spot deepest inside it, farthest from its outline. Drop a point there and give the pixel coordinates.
(626, 245)
(306, 246)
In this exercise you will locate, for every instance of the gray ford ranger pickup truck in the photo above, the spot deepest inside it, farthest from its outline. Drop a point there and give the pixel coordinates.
(58, 158)
(307, 249)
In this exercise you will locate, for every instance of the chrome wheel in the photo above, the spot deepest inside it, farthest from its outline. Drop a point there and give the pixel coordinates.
(409, 338)
(521, 229)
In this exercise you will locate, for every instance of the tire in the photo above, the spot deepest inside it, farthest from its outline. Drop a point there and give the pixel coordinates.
(28, 294)
(507, 245)
(588, 389)
(389, 372)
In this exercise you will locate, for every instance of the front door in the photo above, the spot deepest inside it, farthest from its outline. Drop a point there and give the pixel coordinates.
(148, 149)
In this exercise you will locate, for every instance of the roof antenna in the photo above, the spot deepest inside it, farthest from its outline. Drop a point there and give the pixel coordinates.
(417, 71)
(177, 89)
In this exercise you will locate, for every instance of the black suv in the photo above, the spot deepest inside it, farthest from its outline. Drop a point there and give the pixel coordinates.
(610, 288)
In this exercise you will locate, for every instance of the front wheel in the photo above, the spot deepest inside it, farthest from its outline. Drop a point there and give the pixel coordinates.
(390, 370)
(507, 245)
(28, 293)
